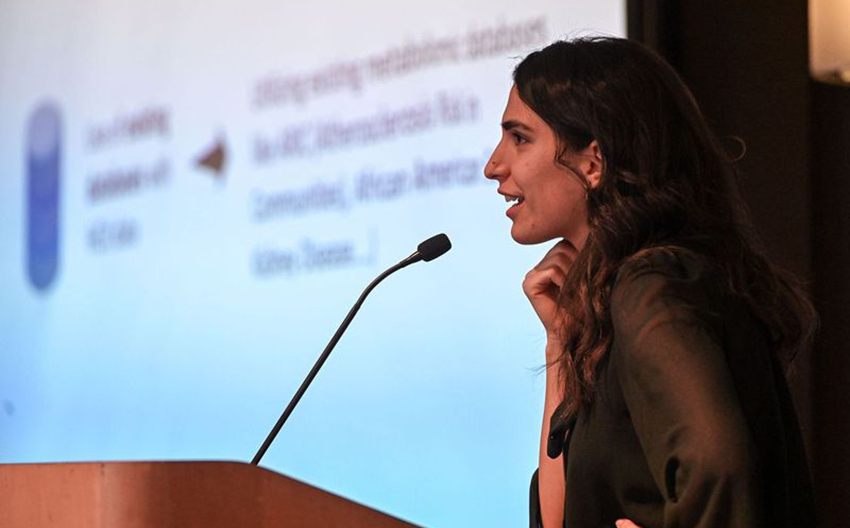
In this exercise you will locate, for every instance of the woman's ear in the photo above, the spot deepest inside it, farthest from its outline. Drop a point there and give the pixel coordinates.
(592, 164)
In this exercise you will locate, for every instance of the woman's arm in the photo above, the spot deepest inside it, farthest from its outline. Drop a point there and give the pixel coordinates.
(551, 470)
(684, 407)
(542, 286)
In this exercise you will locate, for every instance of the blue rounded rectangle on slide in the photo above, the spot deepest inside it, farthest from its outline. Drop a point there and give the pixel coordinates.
(44, 153)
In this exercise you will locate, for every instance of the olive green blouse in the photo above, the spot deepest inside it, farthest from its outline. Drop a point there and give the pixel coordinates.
(692, 424)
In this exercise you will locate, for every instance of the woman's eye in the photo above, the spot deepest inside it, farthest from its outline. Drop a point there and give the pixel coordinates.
(518, 139)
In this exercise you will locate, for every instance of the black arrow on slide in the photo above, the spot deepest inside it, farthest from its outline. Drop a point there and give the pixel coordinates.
(214, 158)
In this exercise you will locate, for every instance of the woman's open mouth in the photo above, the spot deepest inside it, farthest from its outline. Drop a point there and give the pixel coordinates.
(515, 201)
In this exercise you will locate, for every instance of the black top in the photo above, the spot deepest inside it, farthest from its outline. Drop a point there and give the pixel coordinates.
(692, 424)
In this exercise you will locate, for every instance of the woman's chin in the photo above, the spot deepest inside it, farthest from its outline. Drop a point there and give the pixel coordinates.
(528, 238)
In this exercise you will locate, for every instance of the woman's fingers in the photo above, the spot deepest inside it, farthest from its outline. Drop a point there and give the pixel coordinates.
(625, 523)
(541, 279)
(561, 260)
(544, 282)
(542, 287)
(563, 250)
(559, 257)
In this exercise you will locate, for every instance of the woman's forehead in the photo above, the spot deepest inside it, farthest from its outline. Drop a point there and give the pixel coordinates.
(518, 114)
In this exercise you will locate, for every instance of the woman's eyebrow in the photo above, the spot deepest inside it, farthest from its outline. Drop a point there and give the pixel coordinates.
(510, 124)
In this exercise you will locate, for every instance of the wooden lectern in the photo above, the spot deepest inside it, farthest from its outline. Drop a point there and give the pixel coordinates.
(171, 494)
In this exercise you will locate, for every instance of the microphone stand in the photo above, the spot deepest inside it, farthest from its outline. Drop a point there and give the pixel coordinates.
(415, 257)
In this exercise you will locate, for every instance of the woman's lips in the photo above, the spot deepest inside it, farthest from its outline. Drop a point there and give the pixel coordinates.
(512, 210)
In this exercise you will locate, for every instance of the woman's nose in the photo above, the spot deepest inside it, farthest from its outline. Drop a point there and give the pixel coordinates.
(494, 167)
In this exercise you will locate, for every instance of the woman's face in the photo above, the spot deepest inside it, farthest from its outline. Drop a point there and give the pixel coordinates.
(548, 199)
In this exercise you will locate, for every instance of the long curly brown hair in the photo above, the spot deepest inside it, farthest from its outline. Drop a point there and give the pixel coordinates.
(668, 185)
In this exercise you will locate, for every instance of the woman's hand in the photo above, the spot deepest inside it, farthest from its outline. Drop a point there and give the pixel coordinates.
(543, 284)
(625, 523)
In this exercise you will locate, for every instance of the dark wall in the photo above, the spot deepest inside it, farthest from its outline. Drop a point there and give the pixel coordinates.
(831, 264)
(747, 65)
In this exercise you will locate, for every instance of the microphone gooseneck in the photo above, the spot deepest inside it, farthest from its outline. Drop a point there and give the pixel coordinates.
(427, 251)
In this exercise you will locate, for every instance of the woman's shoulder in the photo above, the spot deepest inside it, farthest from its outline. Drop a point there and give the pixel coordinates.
(670, 278)
(674, 263)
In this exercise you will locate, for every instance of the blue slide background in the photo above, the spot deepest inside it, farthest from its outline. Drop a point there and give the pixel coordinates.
(189, 297)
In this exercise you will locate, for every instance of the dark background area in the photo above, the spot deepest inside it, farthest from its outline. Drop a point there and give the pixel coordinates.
(747, 64)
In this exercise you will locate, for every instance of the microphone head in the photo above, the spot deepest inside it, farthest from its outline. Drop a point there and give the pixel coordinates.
(434, 247)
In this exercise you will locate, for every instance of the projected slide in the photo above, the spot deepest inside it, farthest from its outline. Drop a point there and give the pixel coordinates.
(193, 194)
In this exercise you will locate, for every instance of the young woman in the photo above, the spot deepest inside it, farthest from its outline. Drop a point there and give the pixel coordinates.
(667, 328)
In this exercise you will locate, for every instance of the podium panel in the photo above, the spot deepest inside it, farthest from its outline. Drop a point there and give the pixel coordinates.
(171, 494)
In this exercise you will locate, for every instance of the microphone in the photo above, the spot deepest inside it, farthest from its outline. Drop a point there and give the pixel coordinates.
(428, 250)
